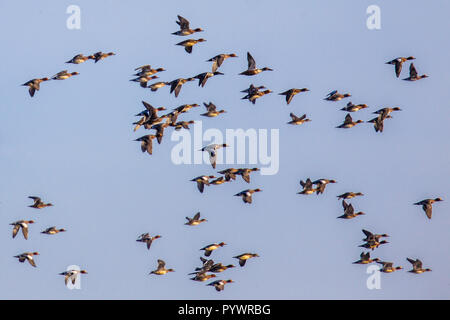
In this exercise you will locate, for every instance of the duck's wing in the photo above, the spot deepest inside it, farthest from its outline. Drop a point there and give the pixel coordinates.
(25, 232)
(149, 146)
(332, 93)
(348, 119)
(294, 117)
(251, 62)
(289, 96)
(428, 209)
(161, 264)
(213, 158)
(344, 204)
(242, 262)
(15, 230)
(149, 243)
(183, 23)
(178, 88)
(31, 261)
(246, 176)
(247, 199)
(197, 216)
(188, 49)
(412, 71)
(36, 199)
(398, 67)
(367, 233)
(200, 186)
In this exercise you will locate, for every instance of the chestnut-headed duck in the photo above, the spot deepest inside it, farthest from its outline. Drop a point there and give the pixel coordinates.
(252, 97)
(252, 70)
(143, 80)
(157, 85)
(21, 224)
(175, 85)
(100, 56)
(378, 122)
(413, 76)
(321, 184)
(184, 27)
(398, 62)
(195, 221)
(147, 238)
(348, 122)
(182, 124)
(186, 107)
(189, 44)
(27, 256)
(79, 58)
(62, 75)
(203, 77)
(354, 107)
(307, 186)
(427, 205)
(147, 70)
(349, 195)
(298, 120)
(417, 266)
(212, 151)
(219, 59)
(72, 275)
(384, 112)
(211, 110)
(34, 85)
(247, 194)
(146, 143)
(388, 267)
(336, 96)
(252, 89)
(245, 173)
(202, 276)
(220, 284)
(161, 269)
(373, 244)
(291, 93)
(349, 211)
(218, 267)
(202, 181)
(229, 173)
(53, 230)
(244, 257)
(371, 236)
(365, 259)
(211, 247)
(38, 204)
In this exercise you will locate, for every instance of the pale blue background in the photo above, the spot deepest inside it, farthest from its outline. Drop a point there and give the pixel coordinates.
(73, 145)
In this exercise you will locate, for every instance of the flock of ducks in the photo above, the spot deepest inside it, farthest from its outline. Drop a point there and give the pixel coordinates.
(150, 120)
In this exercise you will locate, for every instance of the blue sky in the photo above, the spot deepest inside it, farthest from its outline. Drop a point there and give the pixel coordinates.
(72, 144)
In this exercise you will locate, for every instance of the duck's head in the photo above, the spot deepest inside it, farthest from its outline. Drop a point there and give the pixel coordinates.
(157, 237)
(45, 79)
(396, 109)
(83, 271)
(383, 242)
(111, 54)
(62, 230)
(198, 30)
(333, 181)
(399, 268)
(49, 204)
(35, 253)
(424, 76)
(229, 281)
(170, 270)
(257, 190)
(347, 95)
(160, 69)
(222, 244)
(410, 58)
(438, 199)
(359, 121)
(267, 69)
(201, 40)
(31, 221)
(232, 55)
(304, 89)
